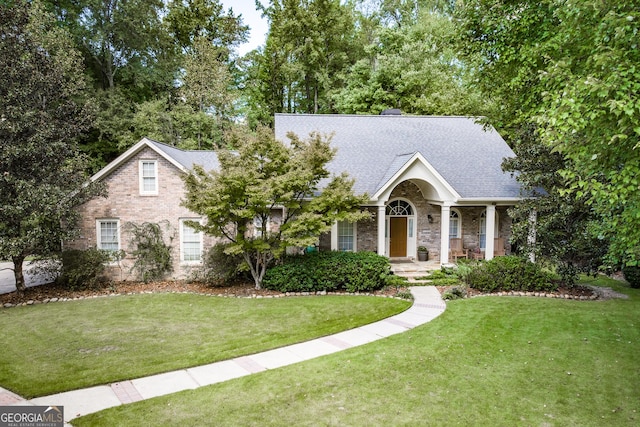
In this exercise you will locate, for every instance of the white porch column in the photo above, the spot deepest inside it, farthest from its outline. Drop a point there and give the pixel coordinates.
(382, 212)
(531, 238)
(490, 232)
(445, 213)
(334, 236)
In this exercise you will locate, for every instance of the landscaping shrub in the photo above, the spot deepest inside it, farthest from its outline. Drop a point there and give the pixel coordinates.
(219, 267)
(152, 255)
(509, 273)
(83, 269)
(329, 271)
(632, 275)
(456, 292)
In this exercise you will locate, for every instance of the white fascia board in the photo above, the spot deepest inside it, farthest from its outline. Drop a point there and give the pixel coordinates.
(489, 201)
(144, 142)
(420, 158)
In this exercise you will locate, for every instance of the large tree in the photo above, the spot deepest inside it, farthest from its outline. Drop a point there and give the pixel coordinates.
(410, 64)
(310, 43)
(41, 171)
(568, 69)
(264, 174)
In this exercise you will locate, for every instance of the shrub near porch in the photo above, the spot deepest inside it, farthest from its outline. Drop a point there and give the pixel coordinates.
(330, 271)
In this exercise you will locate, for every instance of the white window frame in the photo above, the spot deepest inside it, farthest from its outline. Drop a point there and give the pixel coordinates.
(455, 220)
(99, 241)
(353, 235)
(182, 242)
(257, 226)
(141, 164)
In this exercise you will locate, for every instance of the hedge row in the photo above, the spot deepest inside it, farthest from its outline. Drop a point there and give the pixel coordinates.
(509, 273)
(329, 271)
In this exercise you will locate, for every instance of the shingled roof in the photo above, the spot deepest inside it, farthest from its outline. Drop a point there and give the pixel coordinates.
(372, 149)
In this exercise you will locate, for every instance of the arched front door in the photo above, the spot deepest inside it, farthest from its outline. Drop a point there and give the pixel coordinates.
(400, 229)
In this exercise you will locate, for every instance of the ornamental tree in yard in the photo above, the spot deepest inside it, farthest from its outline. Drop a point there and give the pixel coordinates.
(263, 174)
(42, 175)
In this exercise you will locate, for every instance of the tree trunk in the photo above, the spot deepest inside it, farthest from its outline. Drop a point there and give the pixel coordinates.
(257, 279)
(18, 274)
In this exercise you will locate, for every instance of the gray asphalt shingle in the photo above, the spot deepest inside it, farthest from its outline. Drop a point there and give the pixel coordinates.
(372, 148)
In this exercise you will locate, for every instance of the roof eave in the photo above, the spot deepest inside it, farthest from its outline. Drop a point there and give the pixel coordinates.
(144, 142)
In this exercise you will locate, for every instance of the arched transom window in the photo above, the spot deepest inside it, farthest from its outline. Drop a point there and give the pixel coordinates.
(399, 208)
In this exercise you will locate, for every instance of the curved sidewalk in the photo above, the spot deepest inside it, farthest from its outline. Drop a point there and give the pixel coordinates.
(427, 306)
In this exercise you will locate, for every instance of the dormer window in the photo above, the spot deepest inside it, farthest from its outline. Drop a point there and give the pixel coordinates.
(148, 177)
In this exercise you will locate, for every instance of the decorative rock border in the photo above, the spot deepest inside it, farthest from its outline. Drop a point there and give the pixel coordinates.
(592, 297)
(252, 296)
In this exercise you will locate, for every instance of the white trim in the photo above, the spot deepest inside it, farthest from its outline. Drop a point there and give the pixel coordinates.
(99, 221)
(200, 234)
(144, 142)
(459, 219)
(418, 158)
(444, 234)
(257, 228)
(382, 224)
(412, 228)
(496, 227)
(335, 238)
(141, 177)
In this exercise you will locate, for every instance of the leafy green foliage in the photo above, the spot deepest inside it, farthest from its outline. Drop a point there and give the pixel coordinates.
(412, 66)
(83, 269)
(219, 267)
(456, 292)
(152, 254)
(329, 271)
(565, 78)
(632, 275)
(509, 273)
(309, 45)
(42, 113)
(262, 175)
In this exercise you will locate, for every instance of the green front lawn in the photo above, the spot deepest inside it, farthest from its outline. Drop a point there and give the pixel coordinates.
(490, 361)
(69, 345)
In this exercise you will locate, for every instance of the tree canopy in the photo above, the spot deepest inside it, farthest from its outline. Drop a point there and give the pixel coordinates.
(42, 174)
(263, 175)
(565, 76)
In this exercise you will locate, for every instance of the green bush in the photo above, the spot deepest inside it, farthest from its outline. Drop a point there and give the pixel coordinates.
(456, 292)
(632, 275)
(329, 271)
(83, 269)
(152, 255)
(509, 273)
(219, 267)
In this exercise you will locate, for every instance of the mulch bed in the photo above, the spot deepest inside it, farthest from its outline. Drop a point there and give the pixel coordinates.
(47, 293)
(53, 292)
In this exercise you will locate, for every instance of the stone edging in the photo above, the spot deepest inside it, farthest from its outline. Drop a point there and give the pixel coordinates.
(593, 296)
(252, 296)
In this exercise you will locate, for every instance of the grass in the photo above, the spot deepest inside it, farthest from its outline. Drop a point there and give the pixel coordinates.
(64, 346)
(491, 361)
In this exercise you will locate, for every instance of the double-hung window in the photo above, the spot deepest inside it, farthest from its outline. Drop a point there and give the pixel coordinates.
(190, 242)
(108, 234)
(148, 170)
(346, 236)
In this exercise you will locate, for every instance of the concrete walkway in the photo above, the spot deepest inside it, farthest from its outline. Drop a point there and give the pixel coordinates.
(427, 306)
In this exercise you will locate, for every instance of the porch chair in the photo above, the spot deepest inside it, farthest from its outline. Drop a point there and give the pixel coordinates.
(498, 247)
(456, 250)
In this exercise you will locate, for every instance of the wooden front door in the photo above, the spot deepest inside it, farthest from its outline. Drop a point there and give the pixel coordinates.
(397, 237)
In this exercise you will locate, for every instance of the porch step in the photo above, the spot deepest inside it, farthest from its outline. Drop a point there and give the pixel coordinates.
(412, 270)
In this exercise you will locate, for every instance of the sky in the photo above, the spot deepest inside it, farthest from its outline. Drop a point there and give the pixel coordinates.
(250, 17)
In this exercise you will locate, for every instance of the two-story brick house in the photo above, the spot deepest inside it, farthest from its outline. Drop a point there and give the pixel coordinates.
(429, 179)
